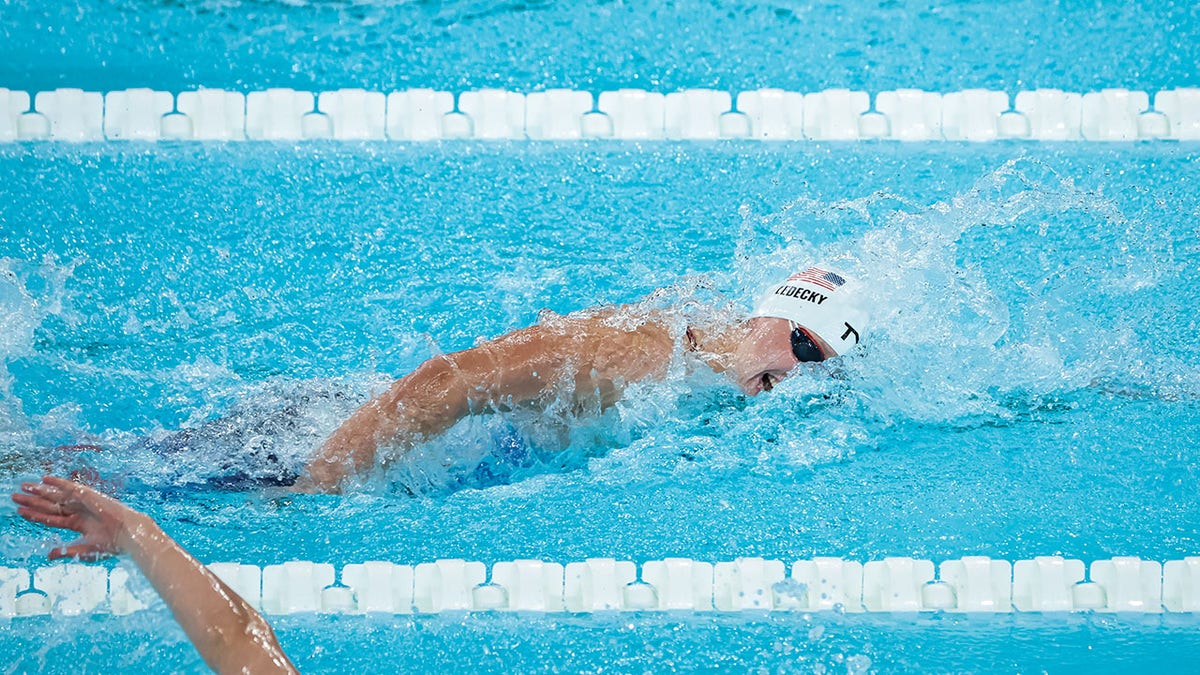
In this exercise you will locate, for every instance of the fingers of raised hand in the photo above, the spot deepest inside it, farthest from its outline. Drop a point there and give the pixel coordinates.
(50, 512)
(50, 520)
(45, 491)
(77, 493)
(60, 483)
(41, 504)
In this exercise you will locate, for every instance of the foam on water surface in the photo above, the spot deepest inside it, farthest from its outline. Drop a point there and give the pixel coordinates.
(1016, 396)
(1030, 386)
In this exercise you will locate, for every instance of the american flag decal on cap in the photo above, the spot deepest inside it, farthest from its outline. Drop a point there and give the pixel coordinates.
(816, 275)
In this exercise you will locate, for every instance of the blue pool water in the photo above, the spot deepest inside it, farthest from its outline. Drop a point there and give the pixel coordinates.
(1030, 388)
(599, 44)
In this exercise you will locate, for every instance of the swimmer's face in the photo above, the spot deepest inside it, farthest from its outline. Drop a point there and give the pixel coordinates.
(765, 356)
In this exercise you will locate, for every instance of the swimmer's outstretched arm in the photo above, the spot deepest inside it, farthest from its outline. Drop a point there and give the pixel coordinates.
(509, 371)
(430, 400)
(229, 634)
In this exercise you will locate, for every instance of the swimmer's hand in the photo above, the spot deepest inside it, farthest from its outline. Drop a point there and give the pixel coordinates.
(105, 525)
(230, 635)
(322, 476)
(308, 485)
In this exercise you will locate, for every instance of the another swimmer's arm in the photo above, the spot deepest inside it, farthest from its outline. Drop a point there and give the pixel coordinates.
(229, 634)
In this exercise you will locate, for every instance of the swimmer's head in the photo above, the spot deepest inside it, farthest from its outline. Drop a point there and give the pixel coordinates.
(825, 308)
(811, 316)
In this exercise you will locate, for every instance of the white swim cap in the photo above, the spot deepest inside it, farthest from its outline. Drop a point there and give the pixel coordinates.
(824, 302)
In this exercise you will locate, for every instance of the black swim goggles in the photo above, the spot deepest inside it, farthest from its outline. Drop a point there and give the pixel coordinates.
(803, 347)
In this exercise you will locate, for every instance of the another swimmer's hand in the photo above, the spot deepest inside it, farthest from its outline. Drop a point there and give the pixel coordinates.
(106, 526)
(230, 634)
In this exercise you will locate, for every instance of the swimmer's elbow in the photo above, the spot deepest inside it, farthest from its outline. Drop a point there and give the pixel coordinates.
(433, 395)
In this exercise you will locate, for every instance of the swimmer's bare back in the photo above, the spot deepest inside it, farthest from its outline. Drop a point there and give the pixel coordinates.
(590, 356)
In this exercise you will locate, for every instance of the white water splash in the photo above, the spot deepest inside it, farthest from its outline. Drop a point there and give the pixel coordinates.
(29, 293)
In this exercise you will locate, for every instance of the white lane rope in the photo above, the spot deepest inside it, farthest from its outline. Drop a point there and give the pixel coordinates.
(416, 115)
(970, 584)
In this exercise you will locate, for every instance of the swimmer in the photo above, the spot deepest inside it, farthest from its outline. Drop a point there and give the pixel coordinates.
(229, 634)
(590, 357)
